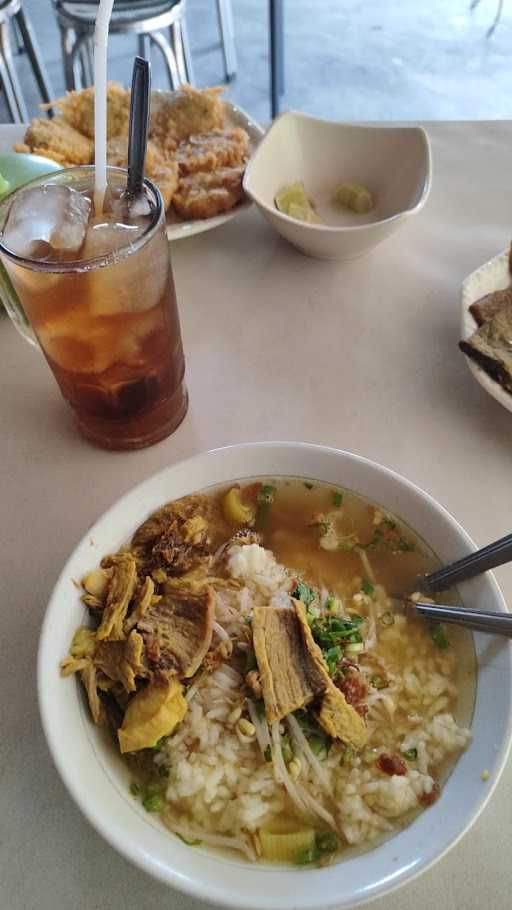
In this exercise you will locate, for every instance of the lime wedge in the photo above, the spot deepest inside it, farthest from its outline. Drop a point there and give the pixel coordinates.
(5, 186)
(292, 194)
(303, 213)
(354, 196)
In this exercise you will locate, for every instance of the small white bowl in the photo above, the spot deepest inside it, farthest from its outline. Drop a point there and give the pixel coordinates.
(98, 779)
(394, 162)
(492, 276)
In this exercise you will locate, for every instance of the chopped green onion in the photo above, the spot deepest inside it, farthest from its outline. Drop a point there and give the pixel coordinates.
(348, 754)
(267, 755)
(378, 682)
(410, 754)
(135, 789)
(327, 842)
(286, 749)
(152, 803)
(306, 857)
(303, 593)
(367, 587)
(354, 647)
(387, 618)
(337, 499)
(318, 746)
(189, 843)
(266, 493)
(332, 658)
(439, 636)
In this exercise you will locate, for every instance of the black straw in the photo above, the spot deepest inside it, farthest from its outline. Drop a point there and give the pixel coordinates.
(139, 125)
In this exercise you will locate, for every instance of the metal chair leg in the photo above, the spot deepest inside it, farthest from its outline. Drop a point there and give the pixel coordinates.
(169, 58)
(185, 43)
(177, 45)
(86, 62)
(9, 94)
(5, 50)
(78, 62)
(276, 54)
(67, 40)
(34, 55)
(144, 46)
(227, 32)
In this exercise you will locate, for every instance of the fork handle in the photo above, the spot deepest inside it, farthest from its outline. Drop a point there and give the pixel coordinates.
(479, 620)
(494, 554)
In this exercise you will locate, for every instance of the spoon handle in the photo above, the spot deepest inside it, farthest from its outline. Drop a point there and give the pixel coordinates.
(494, 554)
(139, 125)
(479, 620)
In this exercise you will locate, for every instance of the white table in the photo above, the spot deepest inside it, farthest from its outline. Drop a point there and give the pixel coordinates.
(361, 356)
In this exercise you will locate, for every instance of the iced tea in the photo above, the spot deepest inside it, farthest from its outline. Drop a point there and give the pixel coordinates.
(99, 294)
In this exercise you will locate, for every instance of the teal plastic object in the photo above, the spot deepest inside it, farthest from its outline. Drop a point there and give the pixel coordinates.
(18, 168)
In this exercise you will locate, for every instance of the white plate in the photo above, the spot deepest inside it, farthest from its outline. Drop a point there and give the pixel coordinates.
(98, 780)
(493, 276)
(235, 116)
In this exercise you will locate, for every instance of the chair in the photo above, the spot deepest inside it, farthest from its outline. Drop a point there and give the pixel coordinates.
(11, 12)
(144, 18)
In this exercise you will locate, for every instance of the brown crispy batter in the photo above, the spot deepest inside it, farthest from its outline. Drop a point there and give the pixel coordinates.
(57, 140)
(77, 108)
(187, 111)
(204, 195)
(213, 150)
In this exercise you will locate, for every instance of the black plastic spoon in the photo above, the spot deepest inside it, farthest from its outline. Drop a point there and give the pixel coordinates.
(138, 129)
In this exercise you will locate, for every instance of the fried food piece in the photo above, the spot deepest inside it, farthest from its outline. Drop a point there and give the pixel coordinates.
(57, 140)
(213, 150)
(162, 170)
(187, 111)
(77, 109)
(204, 195)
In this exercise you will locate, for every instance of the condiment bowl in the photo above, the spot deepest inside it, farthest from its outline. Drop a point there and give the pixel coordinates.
(393, 162)
(98, 780)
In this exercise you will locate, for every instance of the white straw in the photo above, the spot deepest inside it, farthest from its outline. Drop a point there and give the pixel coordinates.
(100, 102)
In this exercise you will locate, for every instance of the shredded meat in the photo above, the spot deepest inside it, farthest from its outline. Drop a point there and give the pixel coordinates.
(121, 661)
(120, 591)
(142, 605)
(88, 677)
(391, 764)
(354, 689)
(178, 630)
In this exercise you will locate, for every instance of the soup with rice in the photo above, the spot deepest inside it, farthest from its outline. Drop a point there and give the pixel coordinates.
(259, 680)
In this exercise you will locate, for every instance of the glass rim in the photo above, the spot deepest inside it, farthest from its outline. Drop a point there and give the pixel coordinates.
(82, 265)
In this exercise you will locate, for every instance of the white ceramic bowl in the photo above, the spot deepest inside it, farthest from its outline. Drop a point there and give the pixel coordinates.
(394, 162)
(492, 276)
(98, 780)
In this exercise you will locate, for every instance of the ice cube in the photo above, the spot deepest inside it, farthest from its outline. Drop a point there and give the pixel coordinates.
(48, 222)
(104, 237)
(135, 283)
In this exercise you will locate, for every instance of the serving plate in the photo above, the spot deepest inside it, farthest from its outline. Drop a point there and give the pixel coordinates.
(98, 780)
(235, 116)
(492, 276)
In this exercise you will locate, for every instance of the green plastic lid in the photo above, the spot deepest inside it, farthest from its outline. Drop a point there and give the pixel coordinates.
(17, 168)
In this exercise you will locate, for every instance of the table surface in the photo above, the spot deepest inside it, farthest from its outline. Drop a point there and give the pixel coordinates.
(360, 355)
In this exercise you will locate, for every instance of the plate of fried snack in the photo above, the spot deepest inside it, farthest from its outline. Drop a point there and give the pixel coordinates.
(197, 152)
(487, 326)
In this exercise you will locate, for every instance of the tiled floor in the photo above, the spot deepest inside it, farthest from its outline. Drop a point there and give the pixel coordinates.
(346, 59)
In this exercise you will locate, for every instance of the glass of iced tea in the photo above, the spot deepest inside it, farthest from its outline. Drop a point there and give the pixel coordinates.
(97, 293)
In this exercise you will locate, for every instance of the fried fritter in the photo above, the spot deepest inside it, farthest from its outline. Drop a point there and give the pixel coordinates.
(204, 194)
(77, 109)
(158, 167)
(187, 111)
(213, 150)
(57, 140)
